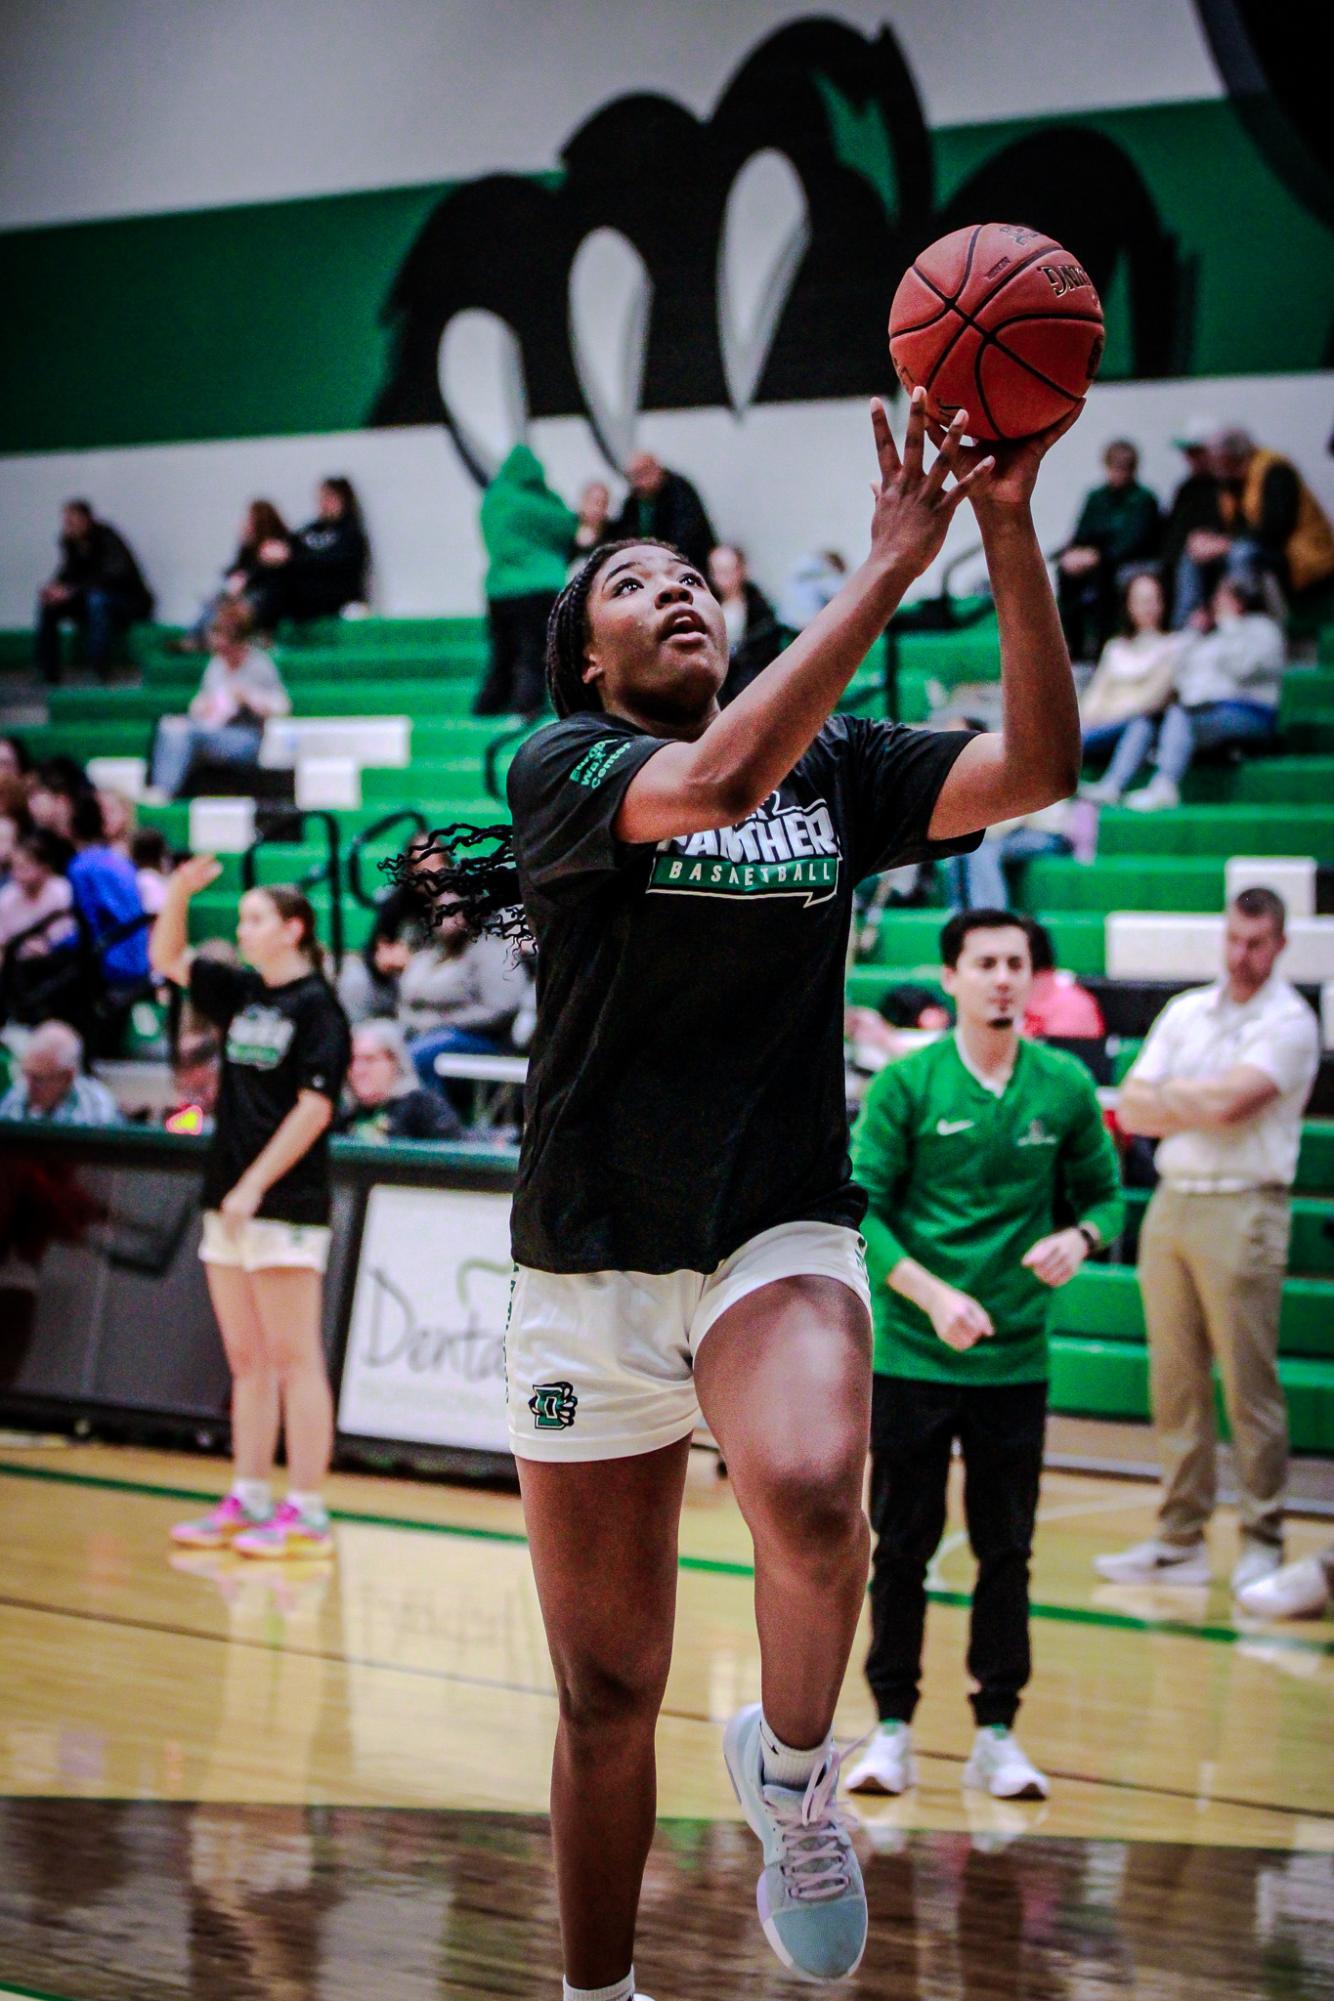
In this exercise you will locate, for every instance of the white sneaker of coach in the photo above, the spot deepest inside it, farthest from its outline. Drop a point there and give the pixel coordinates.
(1257, 1561)
(1000, 1766)
(1298, 1591)
(1155, 1562)
(888, 1765)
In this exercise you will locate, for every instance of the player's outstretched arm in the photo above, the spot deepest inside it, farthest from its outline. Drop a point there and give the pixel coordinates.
(752, 746)
(1034, 758)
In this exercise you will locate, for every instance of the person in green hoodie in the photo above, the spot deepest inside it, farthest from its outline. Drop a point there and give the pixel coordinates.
(529, 536)
(967, 1150)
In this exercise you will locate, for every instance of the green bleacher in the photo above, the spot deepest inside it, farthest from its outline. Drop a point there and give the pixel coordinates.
(427, 670)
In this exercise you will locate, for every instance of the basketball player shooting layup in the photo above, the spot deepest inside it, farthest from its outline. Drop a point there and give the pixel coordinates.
(685, 1222)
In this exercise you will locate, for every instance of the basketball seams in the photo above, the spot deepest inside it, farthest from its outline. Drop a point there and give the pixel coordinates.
(946, 302)
(992, 338)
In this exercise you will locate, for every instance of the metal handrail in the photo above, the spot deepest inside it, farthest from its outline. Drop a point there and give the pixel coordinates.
(357, 846)
(329, 870)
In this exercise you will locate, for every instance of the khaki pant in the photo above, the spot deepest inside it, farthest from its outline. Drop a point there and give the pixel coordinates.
(1211, 1270)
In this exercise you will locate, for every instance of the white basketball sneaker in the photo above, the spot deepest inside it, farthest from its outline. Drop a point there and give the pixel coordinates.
(810, 1896)
(1155, 1562)
(888, 1765)
(1257, 1561)
(1298, 1591)
(1000, 1766)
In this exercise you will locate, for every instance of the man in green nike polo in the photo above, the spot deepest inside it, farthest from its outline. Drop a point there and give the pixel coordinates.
(967, 1148)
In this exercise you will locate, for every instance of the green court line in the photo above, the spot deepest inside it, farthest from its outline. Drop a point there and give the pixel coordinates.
(1072, 1615)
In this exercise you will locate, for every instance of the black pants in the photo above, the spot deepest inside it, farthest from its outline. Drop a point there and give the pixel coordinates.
(516, 677)
(102, 617)
(1000, 1428)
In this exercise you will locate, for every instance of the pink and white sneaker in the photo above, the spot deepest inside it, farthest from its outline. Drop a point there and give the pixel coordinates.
(219, 1528)
(288, 1533)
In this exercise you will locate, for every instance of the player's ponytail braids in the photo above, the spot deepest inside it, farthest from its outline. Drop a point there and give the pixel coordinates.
(567, 629)
(469, 872)
(466, 872)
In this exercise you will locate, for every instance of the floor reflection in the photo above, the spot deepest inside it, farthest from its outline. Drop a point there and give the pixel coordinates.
(106, 1901)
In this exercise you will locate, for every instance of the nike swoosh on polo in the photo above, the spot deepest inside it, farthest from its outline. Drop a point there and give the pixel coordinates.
(946, 1126)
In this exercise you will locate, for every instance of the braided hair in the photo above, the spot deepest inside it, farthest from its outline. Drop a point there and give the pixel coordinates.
(469, 873)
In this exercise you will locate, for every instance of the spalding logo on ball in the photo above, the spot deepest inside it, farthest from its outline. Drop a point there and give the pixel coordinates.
(999, 321)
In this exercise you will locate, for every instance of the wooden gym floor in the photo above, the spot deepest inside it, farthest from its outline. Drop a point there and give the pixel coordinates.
(224, 1781)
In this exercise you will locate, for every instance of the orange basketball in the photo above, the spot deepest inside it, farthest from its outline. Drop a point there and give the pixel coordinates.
(1001, 322)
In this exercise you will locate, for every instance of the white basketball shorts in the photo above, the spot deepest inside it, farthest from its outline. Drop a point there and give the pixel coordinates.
(600, 1365)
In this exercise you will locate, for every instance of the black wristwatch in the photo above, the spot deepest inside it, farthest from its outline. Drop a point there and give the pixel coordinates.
(1090, 1238)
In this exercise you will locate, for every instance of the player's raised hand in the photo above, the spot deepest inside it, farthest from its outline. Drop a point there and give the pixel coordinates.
(913, 504)
(196, 872)
(958, 1319)
(1056, 1259)
(1014, 466)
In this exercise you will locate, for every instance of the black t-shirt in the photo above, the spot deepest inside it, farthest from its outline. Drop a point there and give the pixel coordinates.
(278, 1042)
(685, 1089)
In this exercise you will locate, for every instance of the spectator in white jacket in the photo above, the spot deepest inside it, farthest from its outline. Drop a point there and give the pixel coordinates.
(1228, 682)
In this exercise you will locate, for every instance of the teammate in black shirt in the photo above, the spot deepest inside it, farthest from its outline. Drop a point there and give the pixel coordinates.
(266, 1202)
(685, 1223)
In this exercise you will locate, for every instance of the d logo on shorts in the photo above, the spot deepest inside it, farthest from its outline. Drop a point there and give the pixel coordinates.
(553, 1406)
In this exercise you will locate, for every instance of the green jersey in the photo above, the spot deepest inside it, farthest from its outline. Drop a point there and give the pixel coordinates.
(965, 1180)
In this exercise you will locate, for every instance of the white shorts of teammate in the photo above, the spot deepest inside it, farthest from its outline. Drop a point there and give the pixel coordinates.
(263, 1242)
(600, 1365)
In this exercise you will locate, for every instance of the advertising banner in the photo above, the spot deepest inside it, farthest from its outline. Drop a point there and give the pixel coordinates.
(425, 1358)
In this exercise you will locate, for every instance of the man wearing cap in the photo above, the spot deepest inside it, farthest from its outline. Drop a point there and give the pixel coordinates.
(1193, 505)
(1272, 527)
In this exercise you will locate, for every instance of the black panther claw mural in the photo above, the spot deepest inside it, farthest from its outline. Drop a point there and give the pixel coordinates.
(841, 108)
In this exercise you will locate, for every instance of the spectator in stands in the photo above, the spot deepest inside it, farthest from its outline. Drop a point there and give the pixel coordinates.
(1228, 683)
(15, 759)
(98, 588)
(1133, 684)
(37, 890)
(1057, 1005)
(249, 581)
(966, 1148)
(1272, 528)
(153, 864)
(754, 636)
(529, 534)
(665, 506)
(106, 896)
(368, 982)
(906, 1006)
(593, 524)
(989, 877)
(458, 996)
(324, 567)
(196, 1074)
(1118, 527)
(1194, 505)
(55, 785)
(816, 579)
(14, 823)
(241, 688)
(1221, 1083)
(51, 1086)
(383, 1100)
(119, 817)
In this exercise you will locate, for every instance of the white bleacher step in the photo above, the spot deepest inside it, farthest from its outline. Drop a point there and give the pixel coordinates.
(1188, 945)
(383, 741)
(1290, 876)
(126, 775)
(328, 781)
(221, 826)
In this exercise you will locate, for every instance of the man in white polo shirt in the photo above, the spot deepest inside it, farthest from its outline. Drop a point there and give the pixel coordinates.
(1221, 1083)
